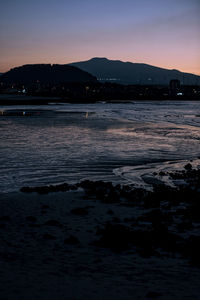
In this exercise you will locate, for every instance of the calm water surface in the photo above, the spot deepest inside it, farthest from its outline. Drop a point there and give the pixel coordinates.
(68, 143)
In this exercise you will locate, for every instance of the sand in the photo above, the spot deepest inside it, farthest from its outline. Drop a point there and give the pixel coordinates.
(76, 245)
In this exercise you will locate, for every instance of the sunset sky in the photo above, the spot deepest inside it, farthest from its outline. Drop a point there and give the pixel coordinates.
(163, 33)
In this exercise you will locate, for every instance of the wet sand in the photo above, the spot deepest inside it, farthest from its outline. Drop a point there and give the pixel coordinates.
(94, 240)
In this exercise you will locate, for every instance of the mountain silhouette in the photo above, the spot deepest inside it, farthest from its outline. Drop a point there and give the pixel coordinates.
(46, 73)
(133, 73)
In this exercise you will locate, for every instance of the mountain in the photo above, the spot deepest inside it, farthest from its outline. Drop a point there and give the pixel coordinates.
(46, 73)
(133, 73)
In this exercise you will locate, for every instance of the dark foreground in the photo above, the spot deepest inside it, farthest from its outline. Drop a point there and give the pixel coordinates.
(94, 240)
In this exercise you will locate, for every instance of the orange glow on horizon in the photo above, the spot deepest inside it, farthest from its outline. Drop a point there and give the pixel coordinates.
(186, 67)
(160, 33)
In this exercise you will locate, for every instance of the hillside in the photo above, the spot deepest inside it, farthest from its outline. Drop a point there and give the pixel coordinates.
(46, 73)
(133, 73)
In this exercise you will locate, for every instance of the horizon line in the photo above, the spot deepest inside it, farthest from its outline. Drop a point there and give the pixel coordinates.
(103, 57)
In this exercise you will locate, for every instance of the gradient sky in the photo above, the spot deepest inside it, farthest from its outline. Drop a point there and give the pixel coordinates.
(163, 33)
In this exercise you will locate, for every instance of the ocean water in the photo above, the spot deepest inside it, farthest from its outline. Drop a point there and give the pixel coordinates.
(112, 142)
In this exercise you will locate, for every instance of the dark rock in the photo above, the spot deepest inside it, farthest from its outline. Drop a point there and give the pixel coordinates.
(98, 260)
(5, 219)
(72, 240)
(73, 187)
(34, 225)
(188, 166)
(152, 202)
(152, 294)
(183, 226)
(48, 188)
(160, 194)
(114, 236)
(53, 223)
(45, 206)
(148, 251)
(116, 220)
(43, 189)
(161, 173)
(8, 257)
(48, 236)
(31, 219)
(156, 216)
(104, 191)
(192, 214)
(118, 187)
(131, 219)
(191, 249)
(111, 197)
(80, 211)
(27, 189)
(136, 195)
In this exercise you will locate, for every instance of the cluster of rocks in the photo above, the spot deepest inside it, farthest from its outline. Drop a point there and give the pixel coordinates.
(189, 175)
(104, 191)
(47, 227)
(48, 188)
(152, 234)
(164, 222)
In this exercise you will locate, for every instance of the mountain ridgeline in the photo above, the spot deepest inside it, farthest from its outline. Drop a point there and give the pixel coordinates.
(47, 73)
(133, 73)
(101, 69)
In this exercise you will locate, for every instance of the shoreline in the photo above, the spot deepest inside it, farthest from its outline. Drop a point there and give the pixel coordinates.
(10, 100)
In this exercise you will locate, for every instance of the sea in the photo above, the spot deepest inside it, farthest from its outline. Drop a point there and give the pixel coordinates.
(118, 142)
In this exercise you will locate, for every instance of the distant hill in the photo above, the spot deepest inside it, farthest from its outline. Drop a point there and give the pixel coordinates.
(133, 73)
(46, 73)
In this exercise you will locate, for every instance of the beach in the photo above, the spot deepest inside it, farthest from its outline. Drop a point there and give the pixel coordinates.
(99, 241)
(100, 201)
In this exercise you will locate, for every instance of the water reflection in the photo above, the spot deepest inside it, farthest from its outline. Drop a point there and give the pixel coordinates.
(75, 142)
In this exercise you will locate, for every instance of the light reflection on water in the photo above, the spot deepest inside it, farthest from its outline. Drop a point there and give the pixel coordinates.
(75, 142)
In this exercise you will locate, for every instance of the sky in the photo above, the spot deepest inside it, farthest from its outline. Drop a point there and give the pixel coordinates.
(164, 33)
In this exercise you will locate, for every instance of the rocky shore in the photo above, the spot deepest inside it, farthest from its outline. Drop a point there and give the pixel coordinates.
(99, 235)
